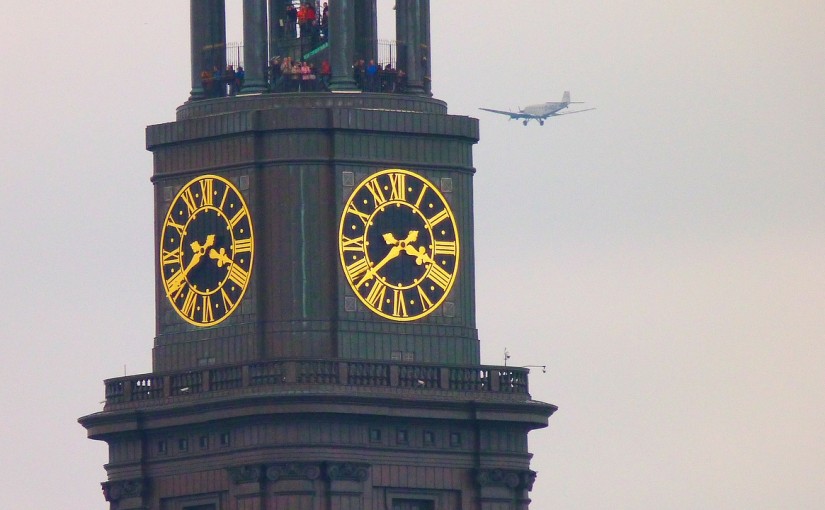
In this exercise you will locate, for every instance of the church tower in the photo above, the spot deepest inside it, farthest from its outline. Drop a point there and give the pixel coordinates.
(316, 344)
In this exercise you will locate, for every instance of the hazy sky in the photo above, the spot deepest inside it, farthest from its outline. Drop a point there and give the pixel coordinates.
(662, 255)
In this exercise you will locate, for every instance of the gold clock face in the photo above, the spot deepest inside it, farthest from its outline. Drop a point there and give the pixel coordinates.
(399, 245)
(206, 249)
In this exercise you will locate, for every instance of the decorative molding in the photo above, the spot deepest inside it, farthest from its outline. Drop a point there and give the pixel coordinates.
(293, 471)
(244, 474)
(348, 471)
(510, 478)
(120, 489)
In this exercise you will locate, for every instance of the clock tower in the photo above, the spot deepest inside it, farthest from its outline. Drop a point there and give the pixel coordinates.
(316, 343)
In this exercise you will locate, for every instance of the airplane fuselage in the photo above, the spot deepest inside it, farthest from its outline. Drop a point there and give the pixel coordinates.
(543, 109)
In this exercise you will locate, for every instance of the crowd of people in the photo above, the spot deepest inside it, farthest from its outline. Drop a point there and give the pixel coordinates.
(306, 21)
(372, 77)
(285, 74)
(221, 83)
(289, 75)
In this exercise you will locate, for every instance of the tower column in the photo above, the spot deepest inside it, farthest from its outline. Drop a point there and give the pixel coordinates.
(207, 20)
(255, 45)
(425, 42)
(341, 44)
(409, 31)
(366, 26)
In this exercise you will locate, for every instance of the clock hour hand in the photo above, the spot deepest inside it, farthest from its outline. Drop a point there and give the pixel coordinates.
(220, 256)
(389, 238)
(420, 255)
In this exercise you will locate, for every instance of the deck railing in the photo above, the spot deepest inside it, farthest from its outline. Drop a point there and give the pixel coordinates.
(308, 373)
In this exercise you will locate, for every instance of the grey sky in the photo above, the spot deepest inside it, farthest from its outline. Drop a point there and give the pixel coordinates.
(661, 254)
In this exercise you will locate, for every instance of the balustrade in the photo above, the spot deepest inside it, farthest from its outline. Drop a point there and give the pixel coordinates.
(374, 374)
(226, 378)
(185, 383)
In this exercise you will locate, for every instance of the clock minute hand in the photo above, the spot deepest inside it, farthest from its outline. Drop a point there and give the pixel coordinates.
(198, 250)
(371, 272)
(397, 248)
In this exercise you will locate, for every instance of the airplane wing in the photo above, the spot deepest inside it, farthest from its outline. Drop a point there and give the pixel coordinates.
(568, 113)
(512, 115)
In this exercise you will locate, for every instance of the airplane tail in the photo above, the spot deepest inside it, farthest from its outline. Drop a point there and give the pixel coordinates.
(566, 97)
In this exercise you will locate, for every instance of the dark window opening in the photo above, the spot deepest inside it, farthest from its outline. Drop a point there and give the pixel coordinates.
(412, 504)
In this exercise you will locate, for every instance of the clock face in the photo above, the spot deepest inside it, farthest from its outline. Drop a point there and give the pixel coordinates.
(399, 246)
(206, 249)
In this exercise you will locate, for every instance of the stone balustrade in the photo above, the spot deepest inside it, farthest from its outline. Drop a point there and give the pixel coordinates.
(309, 373)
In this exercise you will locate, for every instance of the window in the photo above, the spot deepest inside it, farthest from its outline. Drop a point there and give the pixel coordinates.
(375, 435)
(201, 502)
(455, 439)
(429, 438)
(412, 504)
(183, 444)
(401, 436)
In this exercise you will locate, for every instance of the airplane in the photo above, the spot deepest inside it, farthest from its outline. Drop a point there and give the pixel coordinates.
(541, 112)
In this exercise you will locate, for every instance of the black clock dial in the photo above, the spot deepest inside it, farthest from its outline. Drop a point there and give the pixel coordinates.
(206, 250)
(399, 245)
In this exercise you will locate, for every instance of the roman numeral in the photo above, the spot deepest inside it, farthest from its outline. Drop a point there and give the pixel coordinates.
(444, 248)
(207, 190)
(439, 276)
(188, 308)
(426, 303)
(421, 197)
(376, 295)
(237, 218)
(364, 216)
(227, 302)
(206, 309)
(356, 244)
(374, 187)
(438, 218)
(242, 245)
(189, 199)
(357, 268)
(175, 284)
(223, 198)
(238, 275)
(399, 306)
(176, 226)
(398, 187)
(171, 257)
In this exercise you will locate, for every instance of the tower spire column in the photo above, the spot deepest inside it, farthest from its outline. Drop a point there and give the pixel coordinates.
(409, 34)
(341, 44)
(255, 45)
(207, 20)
